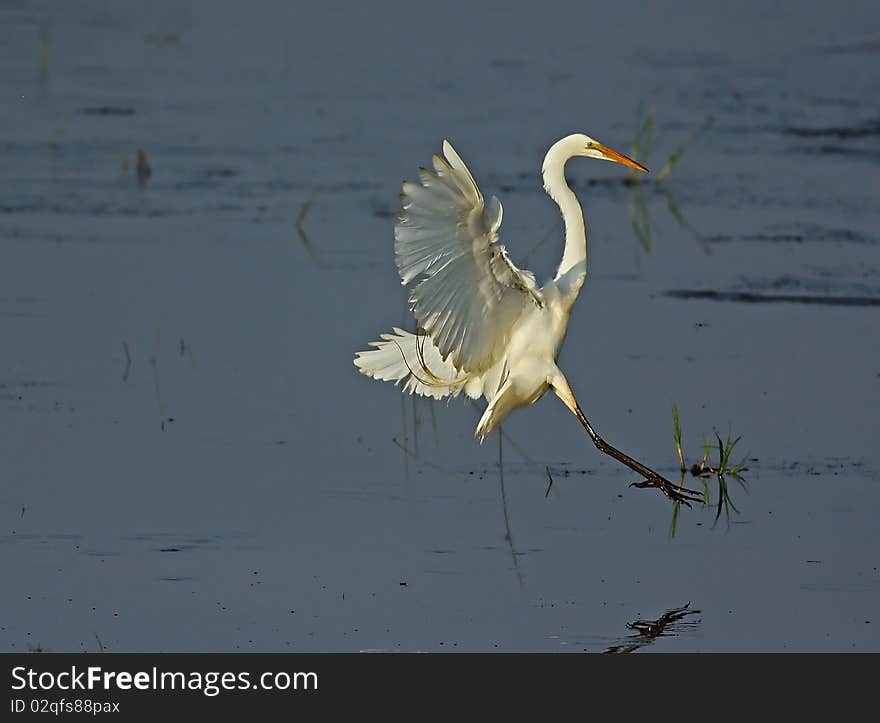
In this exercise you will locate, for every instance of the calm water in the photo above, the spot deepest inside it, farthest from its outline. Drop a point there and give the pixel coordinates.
(188, 458)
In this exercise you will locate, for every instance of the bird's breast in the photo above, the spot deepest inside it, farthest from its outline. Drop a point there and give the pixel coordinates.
(530, 355)
(540, 333)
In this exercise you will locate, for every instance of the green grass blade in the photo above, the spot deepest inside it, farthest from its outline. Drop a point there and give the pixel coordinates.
(679, 151)
(677, 426)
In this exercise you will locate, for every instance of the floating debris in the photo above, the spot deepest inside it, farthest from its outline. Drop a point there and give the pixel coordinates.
(142, 168)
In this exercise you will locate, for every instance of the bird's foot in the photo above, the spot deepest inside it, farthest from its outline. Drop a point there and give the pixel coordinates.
(675, 493)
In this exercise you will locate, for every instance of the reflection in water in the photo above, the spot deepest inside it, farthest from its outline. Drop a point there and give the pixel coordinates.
(672, 622)
(408, 443)
(639, 218)
(508, 536)
(127, 351)
(157, 385)
(301, 229)
(704, 470)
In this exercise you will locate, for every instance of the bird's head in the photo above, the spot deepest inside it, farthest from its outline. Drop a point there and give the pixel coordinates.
(591, 148)
(582, 145)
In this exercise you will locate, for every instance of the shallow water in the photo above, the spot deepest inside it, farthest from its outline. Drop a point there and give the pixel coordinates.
(188, 458)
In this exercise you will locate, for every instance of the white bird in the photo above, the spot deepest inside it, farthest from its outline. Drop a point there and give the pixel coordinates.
(484, 326)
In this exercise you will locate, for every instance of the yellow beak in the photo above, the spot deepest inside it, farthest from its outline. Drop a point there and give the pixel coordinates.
(612, 155)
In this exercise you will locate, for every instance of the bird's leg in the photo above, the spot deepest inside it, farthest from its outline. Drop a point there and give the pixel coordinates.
(651, 478)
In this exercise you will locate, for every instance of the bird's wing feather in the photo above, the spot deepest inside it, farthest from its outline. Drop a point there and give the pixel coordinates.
(469, 293)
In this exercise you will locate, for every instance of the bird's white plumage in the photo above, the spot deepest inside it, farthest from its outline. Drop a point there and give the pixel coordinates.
(484, 326)
(415, 360)
(468, 294)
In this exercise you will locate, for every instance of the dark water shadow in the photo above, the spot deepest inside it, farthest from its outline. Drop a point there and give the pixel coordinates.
(796, 233)
(749, 297)
(869, 127)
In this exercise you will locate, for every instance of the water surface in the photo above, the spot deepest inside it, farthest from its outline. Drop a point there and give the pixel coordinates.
(188, 458)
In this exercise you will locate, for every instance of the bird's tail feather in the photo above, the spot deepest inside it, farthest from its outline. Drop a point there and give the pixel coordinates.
(501, 405)
(414, 359)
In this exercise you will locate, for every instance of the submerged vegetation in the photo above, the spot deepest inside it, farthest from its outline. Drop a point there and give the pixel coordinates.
(705, 471)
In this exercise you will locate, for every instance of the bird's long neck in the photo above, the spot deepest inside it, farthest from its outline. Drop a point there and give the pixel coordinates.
(572, 269)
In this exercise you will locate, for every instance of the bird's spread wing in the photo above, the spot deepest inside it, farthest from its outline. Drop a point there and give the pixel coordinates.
(469, 293)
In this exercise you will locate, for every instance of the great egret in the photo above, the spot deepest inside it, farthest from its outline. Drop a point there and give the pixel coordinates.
(485, 328)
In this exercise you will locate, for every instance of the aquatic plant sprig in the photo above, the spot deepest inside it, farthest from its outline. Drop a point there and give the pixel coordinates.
(705, 471)
(643, 142)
